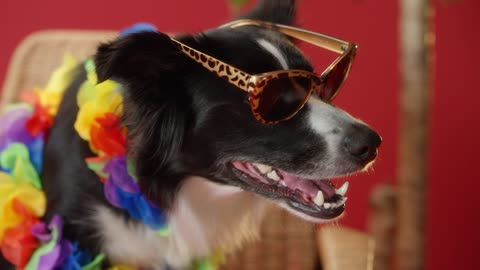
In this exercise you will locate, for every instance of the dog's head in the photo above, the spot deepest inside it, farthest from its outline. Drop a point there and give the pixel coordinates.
(183, 120)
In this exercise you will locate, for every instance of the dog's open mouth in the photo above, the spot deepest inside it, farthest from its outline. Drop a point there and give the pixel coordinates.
(317, 198)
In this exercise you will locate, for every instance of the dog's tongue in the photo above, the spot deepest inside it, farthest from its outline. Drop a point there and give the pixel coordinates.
(308, 187)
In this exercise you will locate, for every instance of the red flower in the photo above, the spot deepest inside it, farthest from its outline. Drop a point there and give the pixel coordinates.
(40, 121)
(18, 242)
(107, 136)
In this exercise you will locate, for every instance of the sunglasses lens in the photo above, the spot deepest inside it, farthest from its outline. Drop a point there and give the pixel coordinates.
(335, 78)
(282, 97)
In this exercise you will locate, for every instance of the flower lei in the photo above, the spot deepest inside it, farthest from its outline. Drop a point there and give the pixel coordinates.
(98, 123)
(25, 240)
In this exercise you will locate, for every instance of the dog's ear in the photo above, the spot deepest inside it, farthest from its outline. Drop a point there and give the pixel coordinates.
(151, 70)
(136, 56)
(276, 11)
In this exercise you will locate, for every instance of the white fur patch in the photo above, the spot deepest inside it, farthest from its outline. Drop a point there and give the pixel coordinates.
(209, 216)
(130, 243)
(325, 118)
(329, 122)
(206, 217)
(267, 45)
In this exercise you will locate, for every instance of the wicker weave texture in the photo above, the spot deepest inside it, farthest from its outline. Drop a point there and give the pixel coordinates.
(40, 53)
(345, 249)
(286, 243)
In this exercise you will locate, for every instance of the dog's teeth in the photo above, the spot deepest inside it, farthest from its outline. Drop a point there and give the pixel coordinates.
(273, 175)
(341, 201)
(343, 189)
(327, 205)
(263, 168)
(283, 183)
(319, 199)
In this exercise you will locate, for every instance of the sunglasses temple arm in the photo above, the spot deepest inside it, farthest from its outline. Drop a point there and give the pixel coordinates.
(225, 71)
(321, 40)
(324, 41)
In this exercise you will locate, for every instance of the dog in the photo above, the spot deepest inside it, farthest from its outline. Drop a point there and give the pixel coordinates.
(199, 152)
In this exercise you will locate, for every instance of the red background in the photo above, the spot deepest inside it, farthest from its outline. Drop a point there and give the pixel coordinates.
(371, 93)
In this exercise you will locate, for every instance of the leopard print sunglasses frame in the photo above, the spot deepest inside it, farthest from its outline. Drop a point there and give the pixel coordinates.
(326, 86)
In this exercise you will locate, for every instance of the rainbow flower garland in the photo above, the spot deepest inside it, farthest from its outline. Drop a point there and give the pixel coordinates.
(26, 240)
(98, 122)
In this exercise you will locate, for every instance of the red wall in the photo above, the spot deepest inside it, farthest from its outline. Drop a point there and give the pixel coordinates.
(453, 216)
(371, 92)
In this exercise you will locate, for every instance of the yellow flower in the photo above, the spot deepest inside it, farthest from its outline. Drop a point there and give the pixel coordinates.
(27, 194)
(51, 96)
(23, 185)
(105, 99)
(94, 101)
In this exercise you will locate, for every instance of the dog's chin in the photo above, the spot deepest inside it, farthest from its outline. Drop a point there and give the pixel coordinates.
(316, 200)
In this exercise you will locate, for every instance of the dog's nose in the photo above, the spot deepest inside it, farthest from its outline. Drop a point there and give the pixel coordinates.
(361, 142)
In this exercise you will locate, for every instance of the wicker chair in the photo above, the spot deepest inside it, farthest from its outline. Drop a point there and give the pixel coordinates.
(286, 242)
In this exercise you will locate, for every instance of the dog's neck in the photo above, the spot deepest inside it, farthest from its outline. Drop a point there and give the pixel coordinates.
(206, 218)
(209, 216)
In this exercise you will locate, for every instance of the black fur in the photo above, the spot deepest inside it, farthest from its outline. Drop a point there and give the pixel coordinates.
(155, 108)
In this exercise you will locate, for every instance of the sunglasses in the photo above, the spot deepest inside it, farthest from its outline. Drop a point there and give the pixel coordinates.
(279, 95)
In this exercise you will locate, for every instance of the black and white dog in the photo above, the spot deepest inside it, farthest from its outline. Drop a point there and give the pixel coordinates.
(199, 152)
